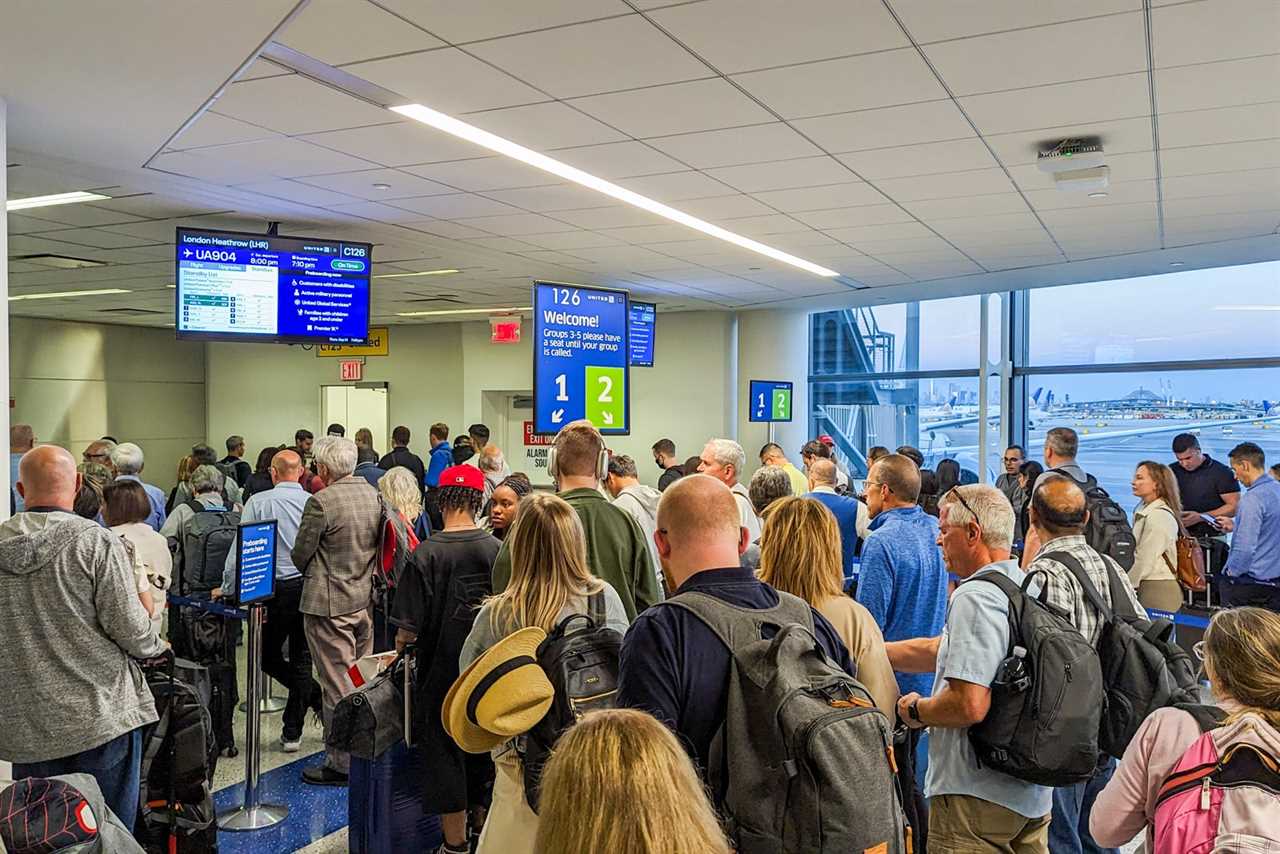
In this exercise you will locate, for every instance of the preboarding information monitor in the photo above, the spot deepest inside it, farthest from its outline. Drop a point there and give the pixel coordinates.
(250, 287)
(256, 562)
(580, 358)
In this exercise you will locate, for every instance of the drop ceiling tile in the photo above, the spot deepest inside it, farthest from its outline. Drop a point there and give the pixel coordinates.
(860, 234)
(294, 191)
(295, 105)
(98, 238)
(1055, 53)
(1022, 223)
(1260, 222)
(678, 108)
(545, 126)
(841, 85)
(1212, 127)
(515, 225)
(978, 182)
(478, 174)
(1123, 136)
(888, 127)
(614, 160)
(1223, 183)
(737, 146)
(341, 31)
(926, 270)
(1019, 262)
(645, 235)
(1200, 160)
(590, 58)
(213, 169)
(627, 258)
(360, 184)
(564, 259)
(287, 158)
(1194, 236)
(783, 174)
(719, 209)
(971, 206)
(612, 216)
(844, 195)
(375, 211)
(1214, 206)
(739, 36)
(758, 226)
(1207, 32)
(572, 240)
(1218, 84)
(147, 205)
(397, 144)
(926, 159)
(674, 187)
(464, 22)
(23, 224)
(447, 80)
(447, 229)
(855, 216)
(214, 129)
(1078, 102)
(558, 197)
(1064, 219)
(87, 216)
(920, 248)
(456, 206)
(928, 20)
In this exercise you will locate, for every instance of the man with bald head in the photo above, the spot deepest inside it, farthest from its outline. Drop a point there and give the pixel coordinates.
(851, 514)
(284, 502)
(673, 665)
(902, 579)
(73, 622)
(1058, 516)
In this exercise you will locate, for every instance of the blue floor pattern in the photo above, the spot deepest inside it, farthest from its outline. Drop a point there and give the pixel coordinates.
(314, 811)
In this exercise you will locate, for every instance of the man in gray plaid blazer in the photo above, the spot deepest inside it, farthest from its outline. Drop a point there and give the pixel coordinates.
(336, 552)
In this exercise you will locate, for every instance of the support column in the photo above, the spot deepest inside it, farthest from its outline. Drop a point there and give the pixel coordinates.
(773, 345)
(5, 486)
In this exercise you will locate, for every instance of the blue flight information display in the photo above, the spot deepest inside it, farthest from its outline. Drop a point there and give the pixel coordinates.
(580, 358)
(770, 400)
(643, 316)
(233, 286)
(256, 562)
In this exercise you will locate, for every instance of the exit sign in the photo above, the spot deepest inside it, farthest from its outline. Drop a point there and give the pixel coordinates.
(352, 370)
(504, 330)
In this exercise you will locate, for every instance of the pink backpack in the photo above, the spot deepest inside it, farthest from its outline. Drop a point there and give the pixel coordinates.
(1226, 801)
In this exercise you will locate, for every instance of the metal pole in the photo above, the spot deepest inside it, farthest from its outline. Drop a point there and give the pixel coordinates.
(984, 365)
(271, 704)
(253, 815)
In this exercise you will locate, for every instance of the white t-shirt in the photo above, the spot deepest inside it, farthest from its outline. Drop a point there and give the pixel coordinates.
(153, 562)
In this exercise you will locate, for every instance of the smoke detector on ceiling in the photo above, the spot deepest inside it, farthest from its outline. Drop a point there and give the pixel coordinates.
(1071, 155)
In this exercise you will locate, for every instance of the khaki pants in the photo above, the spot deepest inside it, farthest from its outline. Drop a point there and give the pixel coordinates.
(336, 643)
(1163, 595)
(511, 826)
(961, 824)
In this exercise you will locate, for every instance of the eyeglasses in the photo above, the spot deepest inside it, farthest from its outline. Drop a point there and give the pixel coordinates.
(867, 484)
(965, 504)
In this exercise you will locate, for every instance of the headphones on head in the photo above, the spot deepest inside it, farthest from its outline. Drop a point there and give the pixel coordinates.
(602, 460)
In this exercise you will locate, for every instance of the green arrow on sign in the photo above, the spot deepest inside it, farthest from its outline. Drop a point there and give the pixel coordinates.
(606, 398)
(781, 404)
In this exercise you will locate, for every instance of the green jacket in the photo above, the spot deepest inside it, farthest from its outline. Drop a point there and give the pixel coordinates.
(616, 552)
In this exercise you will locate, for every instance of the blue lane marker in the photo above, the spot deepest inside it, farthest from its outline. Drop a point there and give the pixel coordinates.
(314, 811)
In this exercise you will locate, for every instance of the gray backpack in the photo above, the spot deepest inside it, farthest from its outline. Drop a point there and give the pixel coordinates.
(804, 760)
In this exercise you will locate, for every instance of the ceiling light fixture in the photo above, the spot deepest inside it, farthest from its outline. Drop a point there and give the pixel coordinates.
(62, 294)
(55, 199)
(463, 311)
(461, 129)
(411, 275)
(381, 186)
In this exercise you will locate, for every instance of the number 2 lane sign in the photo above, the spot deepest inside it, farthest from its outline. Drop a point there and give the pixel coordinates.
(580, 358)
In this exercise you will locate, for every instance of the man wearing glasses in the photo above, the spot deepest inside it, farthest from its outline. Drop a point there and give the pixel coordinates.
(100, 452)
(1014, 457)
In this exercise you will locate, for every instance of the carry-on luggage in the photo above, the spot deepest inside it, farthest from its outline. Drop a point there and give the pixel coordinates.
(180, 754)
(385, 812)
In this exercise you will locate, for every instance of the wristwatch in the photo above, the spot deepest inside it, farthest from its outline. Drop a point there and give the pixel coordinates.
(913, 710)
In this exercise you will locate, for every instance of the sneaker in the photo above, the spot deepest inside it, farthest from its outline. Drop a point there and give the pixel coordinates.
(323, 775)
(290, 745)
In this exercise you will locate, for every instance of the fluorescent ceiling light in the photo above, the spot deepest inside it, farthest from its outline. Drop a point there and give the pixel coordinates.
(1246, 308)
(55, 199)
(461, 129)
(65, 294)
(411, 275)
(463, 311)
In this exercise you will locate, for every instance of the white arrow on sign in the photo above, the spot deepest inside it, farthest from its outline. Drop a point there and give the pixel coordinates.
(606, 417)
(557, 416)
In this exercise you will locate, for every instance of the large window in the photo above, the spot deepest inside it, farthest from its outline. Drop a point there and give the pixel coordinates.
(1127, 363)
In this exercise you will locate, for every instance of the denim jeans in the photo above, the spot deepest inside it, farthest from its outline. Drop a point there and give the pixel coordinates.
(116, 765)
(1069, 829)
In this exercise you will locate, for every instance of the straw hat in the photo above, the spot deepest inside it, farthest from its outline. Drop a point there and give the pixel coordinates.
(504, 693)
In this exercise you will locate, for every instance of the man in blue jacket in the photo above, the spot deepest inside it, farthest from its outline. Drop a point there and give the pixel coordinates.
(439, 459)
(851, 514)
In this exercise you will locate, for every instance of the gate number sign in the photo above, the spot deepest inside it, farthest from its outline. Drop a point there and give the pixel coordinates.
(580, 358)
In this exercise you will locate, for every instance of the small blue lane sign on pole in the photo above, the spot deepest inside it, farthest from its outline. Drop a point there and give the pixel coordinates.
(770, 400)
(580, 358)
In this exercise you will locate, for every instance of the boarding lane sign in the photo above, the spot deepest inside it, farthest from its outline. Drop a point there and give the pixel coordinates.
(770, 400)
(580, 358)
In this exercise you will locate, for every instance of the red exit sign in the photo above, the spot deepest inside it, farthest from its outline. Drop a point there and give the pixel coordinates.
(533, 439)
(504, 330)
(352, 370)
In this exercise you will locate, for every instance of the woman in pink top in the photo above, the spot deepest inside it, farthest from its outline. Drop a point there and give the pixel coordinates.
(1241, 654)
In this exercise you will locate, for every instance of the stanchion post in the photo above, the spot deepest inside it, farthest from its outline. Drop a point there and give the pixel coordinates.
(253, 815)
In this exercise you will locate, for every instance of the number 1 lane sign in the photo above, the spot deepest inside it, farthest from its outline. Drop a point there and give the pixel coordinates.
(580, 358)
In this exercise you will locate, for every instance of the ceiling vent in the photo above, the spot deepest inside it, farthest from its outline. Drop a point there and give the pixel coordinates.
(1071, 155)
(58, 262)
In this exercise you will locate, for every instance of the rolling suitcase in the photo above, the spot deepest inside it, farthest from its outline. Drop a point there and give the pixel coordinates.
(384, 804)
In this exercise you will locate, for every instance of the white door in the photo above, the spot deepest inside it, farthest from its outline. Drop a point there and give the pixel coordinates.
(356, 406)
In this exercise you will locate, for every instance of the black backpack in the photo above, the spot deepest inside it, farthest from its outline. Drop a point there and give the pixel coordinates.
(1108, 531)
(580, 658)
(1047, 698)
(201, 554)
(1142, 668)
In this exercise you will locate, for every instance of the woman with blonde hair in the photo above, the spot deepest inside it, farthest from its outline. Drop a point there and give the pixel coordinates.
(186, 465)
(364, 439)
(1241, 655)
(550, 581)
(399, 490)
(1157, 521)
(800, 553)
(620, 782)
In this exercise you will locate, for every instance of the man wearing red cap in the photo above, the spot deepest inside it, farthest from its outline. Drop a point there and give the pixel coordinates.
(449, 576)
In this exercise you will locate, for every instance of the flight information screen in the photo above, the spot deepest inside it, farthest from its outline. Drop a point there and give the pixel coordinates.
(233, 286)
(642, 323)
